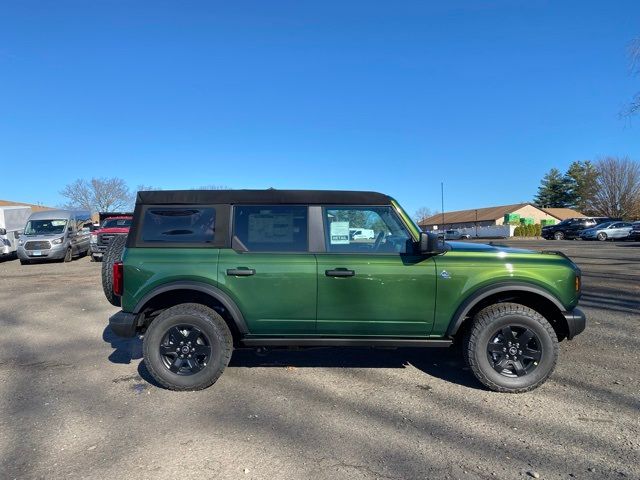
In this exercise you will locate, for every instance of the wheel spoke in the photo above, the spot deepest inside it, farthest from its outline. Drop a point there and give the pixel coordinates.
(176, 364)
(495, 347)
(500, 365)
(508, 334)
(525, 337)
(202, 350)
(194, 365)
(167, 350)
(519, 368)
(535, 355)
(176, 335)
(193, 335)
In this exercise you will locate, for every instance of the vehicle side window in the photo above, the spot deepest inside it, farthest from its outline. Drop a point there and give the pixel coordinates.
(272, 228)
(382, 230)
(179, 225)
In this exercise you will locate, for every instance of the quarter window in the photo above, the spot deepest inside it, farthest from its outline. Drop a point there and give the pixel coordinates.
(380, 230)
(277, 228)
(179, 225)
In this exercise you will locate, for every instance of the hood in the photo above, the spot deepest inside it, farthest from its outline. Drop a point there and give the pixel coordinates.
(486, 248)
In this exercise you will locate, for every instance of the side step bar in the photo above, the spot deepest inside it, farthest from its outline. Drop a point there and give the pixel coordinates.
(343, 342)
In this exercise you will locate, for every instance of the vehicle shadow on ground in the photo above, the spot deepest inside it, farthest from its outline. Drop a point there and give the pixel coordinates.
(125, 350)
(443, 363)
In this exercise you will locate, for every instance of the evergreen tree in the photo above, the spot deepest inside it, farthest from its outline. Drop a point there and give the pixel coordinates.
(554, 191)
(583, 178)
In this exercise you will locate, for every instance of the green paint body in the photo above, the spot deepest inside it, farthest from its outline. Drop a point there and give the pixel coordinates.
(390, 295)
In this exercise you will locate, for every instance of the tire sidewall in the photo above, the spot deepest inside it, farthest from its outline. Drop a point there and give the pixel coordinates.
(541, 372)
(210, 328)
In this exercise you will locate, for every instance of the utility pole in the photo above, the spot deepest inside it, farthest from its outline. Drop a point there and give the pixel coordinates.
(442, 202)
(476, 223)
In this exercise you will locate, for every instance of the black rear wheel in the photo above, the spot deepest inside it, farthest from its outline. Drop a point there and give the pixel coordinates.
(511, 348)
(187, 347)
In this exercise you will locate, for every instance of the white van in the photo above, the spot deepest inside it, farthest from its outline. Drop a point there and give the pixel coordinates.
(12, 221)
(361, 234)
(55, 234)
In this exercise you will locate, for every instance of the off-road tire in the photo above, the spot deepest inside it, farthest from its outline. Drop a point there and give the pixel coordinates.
(112, 255)
(211, 324)
(486, 323)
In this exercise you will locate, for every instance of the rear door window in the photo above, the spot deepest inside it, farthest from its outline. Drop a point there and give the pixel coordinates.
(272, 228)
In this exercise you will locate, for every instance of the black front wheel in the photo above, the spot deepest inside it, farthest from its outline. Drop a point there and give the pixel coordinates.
(187, 347)
(511, 348)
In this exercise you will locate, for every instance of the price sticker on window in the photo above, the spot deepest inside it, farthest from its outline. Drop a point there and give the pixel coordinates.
(339, 233)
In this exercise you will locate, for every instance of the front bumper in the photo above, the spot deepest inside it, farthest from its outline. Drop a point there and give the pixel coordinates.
(97, 249)
(124, 324)
(55, 253)
(576, 322)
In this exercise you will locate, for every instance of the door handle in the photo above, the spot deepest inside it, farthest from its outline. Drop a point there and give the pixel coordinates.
(340, 272)
(241, 272)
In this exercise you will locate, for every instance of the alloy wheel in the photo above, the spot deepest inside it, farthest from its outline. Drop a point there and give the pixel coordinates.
(185, 350)
(514, 351)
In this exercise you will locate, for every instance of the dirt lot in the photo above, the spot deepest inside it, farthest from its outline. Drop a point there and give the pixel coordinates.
(76, 402)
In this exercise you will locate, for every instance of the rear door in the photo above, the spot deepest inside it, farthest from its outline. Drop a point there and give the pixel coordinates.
(372, 286)
(270, 273)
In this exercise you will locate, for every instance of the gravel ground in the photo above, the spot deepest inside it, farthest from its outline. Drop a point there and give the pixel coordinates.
(77, 402)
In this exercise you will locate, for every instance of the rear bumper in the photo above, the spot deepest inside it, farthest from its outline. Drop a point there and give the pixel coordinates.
(124, 324)
(576, 321)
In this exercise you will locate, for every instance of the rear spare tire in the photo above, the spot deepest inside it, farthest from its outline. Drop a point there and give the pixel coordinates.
(112, 255)
(511, 348)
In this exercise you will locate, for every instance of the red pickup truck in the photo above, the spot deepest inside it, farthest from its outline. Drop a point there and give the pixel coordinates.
(111, 225)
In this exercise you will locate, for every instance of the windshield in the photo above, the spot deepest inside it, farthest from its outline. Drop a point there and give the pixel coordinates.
(116, 223)
(45, 227)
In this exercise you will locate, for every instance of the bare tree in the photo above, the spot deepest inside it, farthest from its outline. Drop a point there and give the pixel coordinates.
(634, 65)
(98, 194)
(618, 187)
(422, 213)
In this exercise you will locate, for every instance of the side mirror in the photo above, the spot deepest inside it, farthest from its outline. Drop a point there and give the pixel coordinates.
(431, 243)
(3, 231)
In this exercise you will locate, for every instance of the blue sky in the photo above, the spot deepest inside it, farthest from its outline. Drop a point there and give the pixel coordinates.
(388, 96)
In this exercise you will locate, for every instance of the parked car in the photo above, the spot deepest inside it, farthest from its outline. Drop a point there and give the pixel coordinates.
(12, 221)
(204, 272)
(455, 235)
(111, 225)
(55, 235)
(571, 227)
(635, 231)
(607, 231)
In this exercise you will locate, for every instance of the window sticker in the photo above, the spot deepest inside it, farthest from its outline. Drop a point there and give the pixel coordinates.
(339, 233)
(271, 228)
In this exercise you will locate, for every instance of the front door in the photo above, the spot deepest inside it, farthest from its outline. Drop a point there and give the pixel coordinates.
(271, 275)
(373, 286)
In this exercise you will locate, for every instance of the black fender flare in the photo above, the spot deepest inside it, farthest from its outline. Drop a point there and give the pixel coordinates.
(502, 287)
(202, 287)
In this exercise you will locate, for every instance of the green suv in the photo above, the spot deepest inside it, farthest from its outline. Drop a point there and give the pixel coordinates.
(204, 272)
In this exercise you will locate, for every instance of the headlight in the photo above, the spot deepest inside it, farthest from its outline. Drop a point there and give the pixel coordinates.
(94, 239)
(21, 241)
(57, 241)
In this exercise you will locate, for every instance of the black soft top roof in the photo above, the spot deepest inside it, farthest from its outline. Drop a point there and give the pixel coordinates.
(270, 197)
